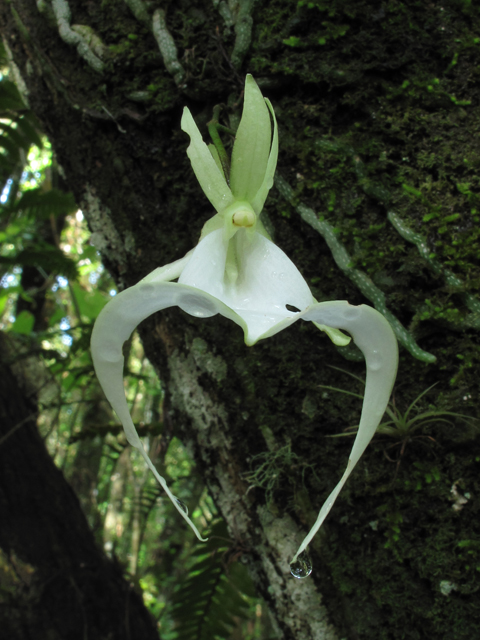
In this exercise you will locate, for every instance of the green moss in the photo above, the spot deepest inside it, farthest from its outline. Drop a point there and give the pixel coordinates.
(409, 541)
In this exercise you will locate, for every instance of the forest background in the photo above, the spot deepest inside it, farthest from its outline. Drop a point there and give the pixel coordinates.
(376, 201)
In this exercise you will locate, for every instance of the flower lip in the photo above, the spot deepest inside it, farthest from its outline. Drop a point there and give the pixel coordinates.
(266, 280)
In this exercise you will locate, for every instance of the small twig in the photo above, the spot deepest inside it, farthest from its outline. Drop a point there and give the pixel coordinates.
(118, 126)
(16, 427)
(218, 38)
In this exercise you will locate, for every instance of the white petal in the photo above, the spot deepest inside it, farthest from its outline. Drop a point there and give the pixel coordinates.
(114, 325)
(169, 271)
(208, 174)
(375, 338)
(267, 281)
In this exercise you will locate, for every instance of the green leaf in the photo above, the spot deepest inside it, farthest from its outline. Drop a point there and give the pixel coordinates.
(12, 132)
(10, 99)
(44, 256)
(412, 190)
(57, 315)
(24, 323)
(10, 147)
(6, 292)
(37, 204)
(292, 41)
(3, 299)
(27, 123)
(89, 303)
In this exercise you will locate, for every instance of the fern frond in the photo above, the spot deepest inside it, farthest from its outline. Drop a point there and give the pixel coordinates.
(47, 257)
(207, 604)
(37, 204)
(8, 131)
(10, 99)
(9, 148)
(18, 131)
(30, 127)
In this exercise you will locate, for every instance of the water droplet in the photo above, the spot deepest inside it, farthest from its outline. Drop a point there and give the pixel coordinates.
(200, 313)
(182, 506)
(302, 567)
(197, 306)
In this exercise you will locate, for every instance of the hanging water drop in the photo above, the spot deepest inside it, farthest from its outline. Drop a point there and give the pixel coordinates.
(302, 566)
(182, 506)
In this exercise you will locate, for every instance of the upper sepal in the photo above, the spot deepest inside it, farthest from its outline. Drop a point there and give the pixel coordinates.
(267, 184)
(252, 144)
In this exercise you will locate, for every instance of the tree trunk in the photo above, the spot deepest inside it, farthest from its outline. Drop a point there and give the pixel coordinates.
(375, 109)
(67, 588)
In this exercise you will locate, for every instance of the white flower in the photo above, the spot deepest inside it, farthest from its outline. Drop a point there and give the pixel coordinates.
(237, 271)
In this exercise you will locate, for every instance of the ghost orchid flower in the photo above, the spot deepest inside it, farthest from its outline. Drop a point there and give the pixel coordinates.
(237, 271)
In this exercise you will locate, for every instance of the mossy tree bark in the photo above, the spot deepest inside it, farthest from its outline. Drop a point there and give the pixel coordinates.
(378, 113)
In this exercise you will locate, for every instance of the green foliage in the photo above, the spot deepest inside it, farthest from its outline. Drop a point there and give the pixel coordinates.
(207, 603)
(22, 208)
(402, 425)
(44, 256)
(89, 303)
(38, 204)
(23, 323)
(271, 469)
(18, 128)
